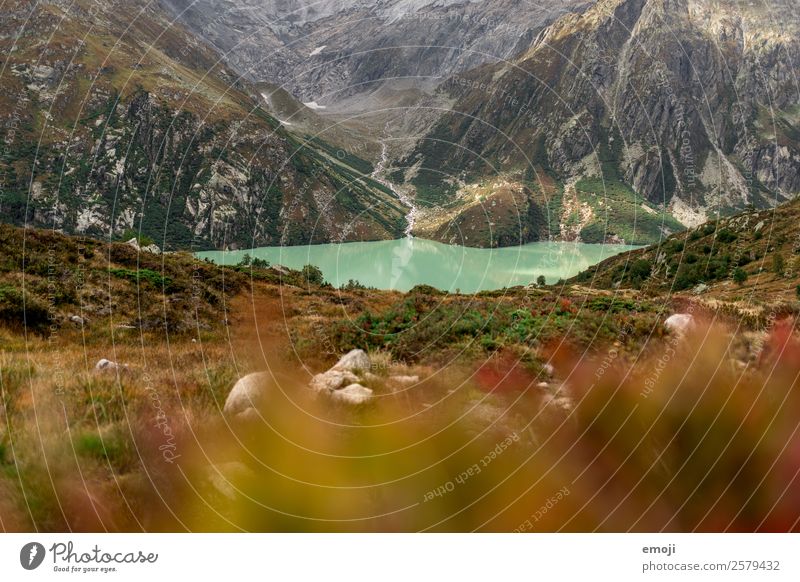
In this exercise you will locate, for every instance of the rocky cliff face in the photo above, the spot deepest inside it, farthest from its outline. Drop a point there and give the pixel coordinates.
(327, 51)
(691, 105)
(113, 118)
(615, 120)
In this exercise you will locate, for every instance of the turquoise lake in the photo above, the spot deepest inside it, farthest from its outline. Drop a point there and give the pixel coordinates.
(402, 264)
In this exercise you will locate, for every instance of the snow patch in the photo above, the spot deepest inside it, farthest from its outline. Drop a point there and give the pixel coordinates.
(314, 105)
(317, 50)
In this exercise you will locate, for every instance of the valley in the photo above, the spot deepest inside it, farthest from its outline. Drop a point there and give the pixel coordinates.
(399, 266)
(262, 123)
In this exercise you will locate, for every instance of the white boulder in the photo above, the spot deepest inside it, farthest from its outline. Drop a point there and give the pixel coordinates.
(353, 394)
(680, 323)
(151, 248)
(333, 380)
(249, 392)
(354, 360)
(104, 365)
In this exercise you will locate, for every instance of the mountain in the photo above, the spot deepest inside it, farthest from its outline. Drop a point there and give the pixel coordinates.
(631, 119)
(751, 257)
(326, 51)
(486, 123)
(116, 118)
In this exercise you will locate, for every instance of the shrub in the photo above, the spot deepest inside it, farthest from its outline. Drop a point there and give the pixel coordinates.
(541, 281)
(778, 264)
(739, 275)
(312, 275)
(353, 285)
(147, 275)
(639, 271)
(687, 276)
(17, 309)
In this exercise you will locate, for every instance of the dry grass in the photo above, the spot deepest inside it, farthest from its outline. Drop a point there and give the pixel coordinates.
(679, 440)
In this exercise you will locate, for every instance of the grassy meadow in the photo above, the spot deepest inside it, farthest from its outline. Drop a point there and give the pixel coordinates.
(557, 408)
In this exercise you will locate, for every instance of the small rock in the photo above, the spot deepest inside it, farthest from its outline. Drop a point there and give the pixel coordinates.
(105, 365)
(679, 323)
(354, 360)
(77, 319)
(332, 380)
(353, 394)
(701, 288)
(549, 369)
(249, 392)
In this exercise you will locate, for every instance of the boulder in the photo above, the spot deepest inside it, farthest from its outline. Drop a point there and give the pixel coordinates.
(353, 394)
(354, 360)
(679, 323)
(332, 380)
(249, 392)
(250, 417)
(104, 365)
(77, 319)
(151, 248)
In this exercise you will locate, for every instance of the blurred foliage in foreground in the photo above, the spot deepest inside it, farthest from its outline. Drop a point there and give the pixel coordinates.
(681, 440)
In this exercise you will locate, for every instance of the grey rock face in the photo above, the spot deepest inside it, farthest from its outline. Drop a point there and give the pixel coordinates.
(671, 97)
(192, 164)
(327, 51)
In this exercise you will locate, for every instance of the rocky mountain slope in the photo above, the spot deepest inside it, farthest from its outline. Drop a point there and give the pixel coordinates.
(632, 118)
(750, 258)
(326, 51)
(115, 118)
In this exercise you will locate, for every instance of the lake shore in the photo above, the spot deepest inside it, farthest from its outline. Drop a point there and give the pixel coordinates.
(404, 263)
